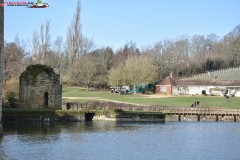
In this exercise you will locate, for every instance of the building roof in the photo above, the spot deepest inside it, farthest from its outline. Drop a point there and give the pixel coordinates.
(223, 74)
(208, 82)
(170, 80)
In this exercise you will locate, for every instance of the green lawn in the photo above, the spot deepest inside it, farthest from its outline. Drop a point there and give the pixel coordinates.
(180, 101)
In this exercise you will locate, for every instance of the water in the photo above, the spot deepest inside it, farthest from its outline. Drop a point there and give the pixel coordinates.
(103, 140)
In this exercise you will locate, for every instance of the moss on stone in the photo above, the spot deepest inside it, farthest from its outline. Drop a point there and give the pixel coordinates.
(142, 115)
(32, 71)
(20, 114)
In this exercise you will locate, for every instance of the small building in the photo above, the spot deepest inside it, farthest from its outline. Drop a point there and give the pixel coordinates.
(39, 87)
(214, 87)
(141, 87)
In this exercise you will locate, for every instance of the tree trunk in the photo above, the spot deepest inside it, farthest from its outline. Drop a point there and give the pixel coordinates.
(1, 60)
(135, 91)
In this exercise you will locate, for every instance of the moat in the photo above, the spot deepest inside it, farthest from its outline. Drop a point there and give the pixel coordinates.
(120, 140)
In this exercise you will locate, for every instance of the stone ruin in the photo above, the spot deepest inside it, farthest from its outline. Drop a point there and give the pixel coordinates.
(39, 87)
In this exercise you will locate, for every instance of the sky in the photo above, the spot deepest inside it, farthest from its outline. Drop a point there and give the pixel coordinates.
(115, 22)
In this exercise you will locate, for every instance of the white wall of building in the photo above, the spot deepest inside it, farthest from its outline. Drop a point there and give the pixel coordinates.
(210, 90)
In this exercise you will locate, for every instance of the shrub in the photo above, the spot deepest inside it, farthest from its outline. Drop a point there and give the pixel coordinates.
(203, 92)
(11, 86)
(10, 93)
(11, 100)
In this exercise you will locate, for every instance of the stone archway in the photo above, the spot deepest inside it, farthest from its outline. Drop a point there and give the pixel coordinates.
(46, 99)
(34, 82)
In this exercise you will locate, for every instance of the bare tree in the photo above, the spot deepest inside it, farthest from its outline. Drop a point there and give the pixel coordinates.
(167, 56)
(124, 53)
(181, 47)
(115, 76)
(197, 46)
(35, 47)
(45, 40)
(168, 50)
(1, 60)
(139, 69)
(41, 43)
(86, 45)
(210, 45)
(234, 44)
(61, 61)
(210, 42)
(85, 71)
(158, 59)
(105, 54)
(12, 60)
(74, 35)
(198, 51)
(101, 79)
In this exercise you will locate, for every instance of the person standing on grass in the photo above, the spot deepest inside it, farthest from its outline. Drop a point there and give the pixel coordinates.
(198, 102)
(227, 97)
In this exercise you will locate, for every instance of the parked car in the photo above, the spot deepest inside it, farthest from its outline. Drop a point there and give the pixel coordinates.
(125, 89)
(114, 89)
(231, 93)
(183, 92)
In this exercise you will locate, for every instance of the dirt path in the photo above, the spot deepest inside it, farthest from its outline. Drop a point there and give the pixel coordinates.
(157, 96)
(147, 96)
(97, 98)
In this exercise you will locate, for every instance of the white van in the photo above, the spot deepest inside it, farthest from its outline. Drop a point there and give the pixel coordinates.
(125, 89)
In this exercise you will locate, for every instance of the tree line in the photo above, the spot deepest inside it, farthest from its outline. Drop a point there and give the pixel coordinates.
(79, 61)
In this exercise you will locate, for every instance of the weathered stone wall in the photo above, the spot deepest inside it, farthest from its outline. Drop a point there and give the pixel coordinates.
(42, 91)
(108, 106)
(114, 111)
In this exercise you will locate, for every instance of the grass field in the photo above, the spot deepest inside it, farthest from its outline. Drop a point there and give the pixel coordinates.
(81, 95)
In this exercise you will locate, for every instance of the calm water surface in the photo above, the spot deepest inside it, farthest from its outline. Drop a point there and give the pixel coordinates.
(120, 140)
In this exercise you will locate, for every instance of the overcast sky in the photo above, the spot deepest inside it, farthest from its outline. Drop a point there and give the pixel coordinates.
(115, 22)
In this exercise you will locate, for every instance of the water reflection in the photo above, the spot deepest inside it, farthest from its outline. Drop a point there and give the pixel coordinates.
(31, 128)
(120, 140)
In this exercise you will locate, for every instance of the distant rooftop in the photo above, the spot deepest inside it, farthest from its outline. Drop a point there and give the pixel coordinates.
(224, 74)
